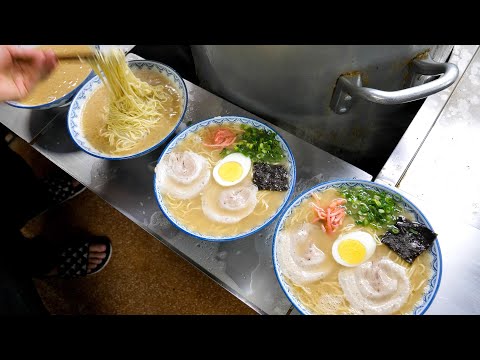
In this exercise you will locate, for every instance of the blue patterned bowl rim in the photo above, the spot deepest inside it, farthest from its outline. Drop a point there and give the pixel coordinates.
(78, 105)
(433, 283)
(220, 120)
(63, 101)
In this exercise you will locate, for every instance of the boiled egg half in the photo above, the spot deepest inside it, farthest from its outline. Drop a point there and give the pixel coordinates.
(354, 248)
(232, 169)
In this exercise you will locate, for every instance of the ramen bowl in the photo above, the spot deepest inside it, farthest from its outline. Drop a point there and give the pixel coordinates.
(80, 106)
(328, 289)
(64, 74)
(210, 209)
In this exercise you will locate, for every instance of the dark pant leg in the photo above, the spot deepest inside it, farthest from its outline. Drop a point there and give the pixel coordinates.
(18, 295)
(22, 197)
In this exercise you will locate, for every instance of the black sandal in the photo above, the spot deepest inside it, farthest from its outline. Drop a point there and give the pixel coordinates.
(74, 259)
(61, 187)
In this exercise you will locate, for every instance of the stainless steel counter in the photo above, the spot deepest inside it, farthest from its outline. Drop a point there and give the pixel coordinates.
(436, 165)
(418, 130)
(445, 158)
(28, 124)
(244, 267)
(447, 166)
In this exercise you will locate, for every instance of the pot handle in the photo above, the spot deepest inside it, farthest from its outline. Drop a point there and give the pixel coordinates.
(350, 86)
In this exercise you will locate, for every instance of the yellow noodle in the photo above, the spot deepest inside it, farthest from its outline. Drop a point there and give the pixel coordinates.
(134, 108)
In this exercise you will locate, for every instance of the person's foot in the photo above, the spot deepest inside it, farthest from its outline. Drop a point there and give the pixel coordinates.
(97, 252)
(96, 255)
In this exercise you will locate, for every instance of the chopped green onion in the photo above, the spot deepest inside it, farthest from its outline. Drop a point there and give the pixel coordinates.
(370, 207)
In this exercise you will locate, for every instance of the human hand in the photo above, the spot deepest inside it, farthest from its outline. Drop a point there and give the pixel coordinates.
(22, 68)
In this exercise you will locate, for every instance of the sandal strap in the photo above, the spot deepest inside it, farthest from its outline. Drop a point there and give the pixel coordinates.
(60, 187)
(74, 261)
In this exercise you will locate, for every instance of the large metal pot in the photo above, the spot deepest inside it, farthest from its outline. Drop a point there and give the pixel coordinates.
(301, 88)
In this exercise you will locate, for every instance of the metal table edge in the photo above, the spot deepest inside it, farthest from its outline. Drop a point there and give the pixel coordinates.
(412, 140)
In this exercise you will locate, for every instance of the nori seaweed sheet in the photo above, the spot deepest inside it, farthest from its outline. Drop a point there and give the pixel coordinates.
(270, 177)
(412, 240)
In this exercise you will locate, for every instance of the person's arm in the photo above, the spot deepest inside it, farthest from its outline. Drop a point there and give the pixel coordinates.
(22, 68)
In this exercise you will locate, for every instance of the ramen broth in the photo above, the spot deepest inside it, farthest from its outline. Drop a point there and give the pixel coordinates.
(95, 115)
(189, 213)
(67, 76)
(326, 296)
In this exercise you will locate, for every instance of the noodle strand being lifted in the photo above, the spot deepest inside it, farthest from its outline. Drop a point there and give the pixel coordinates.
(134, 106)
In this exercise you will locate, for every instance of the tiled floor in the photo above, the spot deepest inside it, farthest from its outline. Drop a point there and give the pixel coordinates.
(142, 277)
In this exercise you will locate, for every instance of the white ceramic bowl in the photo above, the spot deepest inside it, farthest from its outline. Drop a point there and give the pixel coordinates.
(222, 120)
(436, 265)
(77, 108)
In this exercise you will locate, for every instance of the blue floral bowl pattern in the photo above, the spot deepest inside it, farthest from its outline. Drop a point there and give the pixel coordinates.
(77, 107)
(65, 100)
(436, 265)
(219, 121)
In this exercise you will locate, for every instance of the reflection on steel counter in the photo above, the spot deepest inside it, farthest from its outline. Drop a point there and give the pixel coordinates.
(244, 267)
(448, 158)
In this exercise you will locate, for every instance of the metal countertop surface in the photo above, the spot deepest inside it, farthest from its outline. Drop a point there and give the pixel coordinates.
(437, 154)
(436, 164)
(244, 267)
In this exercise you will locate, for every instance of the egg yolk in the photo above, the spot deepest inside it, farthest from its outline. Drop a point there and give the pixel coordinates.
(352, 251)
(230, 171)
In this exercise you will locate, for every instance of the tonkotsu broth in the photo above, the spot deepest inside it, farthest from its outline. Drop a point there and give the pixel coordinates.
(326, 296)
(95, 112)
(189, 212)
(67, 76)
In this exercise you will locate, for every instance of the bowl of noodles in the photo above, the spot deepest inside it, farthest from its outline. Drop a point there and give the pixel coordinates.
(356, 247)
(128, 111)
(224, 178)
(62, 84)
